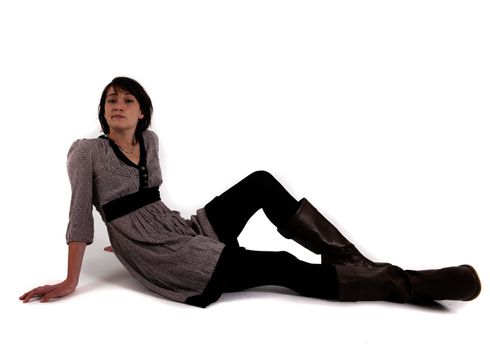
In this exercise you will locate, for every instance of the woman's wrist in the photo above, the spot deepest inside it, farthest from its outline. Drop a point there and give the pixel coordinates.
(71, 282)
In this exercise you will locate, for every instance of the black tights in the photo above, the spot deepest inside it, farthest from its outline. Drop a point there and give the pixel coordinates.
(243, 268)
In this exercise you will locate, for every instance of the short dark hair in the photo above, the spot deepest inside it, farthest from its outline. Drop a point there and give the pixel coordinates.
(134, 88)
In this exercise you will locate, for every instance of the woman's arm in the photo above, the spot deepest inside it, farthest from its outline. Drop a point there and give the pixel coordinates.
(80, 229)
(76, 251)
(75, 258)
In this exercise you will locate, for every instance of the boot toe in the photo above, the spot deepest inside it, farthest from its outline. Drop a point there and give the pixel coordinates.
(473, 280)
(450, 283)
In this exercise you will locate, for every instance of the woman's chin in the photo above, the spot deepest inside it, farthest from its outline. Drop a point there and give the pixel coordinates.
(120, 128)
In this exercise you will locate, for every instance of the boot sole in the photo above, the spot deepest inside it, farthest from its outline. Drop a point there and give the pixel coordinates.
(477, 279)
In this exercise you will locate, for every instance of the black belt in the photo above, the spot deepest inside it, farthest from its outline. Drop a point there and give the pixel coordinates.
(124, 205)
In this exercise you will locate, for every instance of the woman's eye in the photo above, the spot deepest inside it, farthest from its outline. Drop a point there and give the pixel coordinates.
(114, 101)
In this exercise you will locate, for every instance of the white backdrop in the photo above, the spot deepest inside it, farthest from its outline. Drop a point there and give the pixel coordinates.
(376, 111)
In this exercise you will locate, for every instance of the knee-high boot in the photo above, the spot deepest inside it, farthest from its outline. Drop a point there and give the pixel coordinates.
(450, 283)
(313, 231)
(391, 283)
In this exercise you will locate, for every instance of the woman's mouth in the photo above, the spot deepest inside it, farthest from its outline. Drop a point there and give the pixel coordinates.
(117, 116)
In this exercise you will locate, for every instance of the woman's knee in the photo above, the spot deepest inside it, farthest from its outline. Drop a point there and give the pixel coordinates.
(262, 176)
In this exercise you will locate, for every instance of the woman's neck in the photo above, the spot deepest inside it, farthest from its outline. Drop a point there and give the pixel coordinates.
(125, 138)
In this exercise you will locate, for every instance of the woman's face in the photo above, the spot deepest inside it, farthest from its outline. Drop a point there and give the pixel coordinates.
(121, 110)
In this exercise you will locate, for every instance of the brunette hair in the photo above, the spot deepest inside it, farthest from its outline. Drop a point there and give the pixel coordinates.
(134, 88)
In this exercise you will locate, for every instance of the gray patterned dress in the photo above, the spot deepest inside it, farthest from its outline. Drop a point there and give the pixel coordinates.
(169, 255)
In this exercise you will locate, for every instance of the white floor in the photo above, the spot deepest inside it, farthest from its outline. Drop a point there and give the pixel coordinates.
(376, 111)
(109, 308)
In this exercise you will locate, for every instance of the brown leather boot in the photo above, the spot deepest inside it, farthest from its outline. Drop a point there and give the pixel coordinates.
(370, 283)
(450, 283)
(391, 283)
(313, 231)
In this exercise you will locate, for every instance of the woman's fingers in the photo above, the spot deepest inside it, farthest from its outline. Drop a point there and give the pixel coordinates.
(30, 294)
(48, 292)
(39, 291)
(23, 295)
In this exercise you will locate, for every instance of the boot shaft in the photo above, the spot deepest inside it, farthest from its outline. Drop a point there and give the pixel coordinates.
(372, 283)
(312, 230)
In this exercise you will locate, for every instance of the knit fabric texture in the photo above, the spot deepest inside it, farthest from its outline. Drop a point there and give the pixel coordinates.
(170, 255)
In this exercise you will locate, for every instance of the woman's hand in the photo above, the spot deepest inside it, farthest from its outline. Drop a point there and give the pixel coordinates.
(108, 249)
(48, 292)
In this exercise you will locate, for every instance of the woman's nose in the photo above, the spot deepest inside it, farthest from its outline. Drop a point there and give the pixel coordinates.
(118, 106)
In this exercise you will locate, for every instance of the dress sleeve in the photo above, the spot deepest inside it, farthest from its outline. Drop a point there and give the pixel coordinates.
(80, 172)
(157, 141)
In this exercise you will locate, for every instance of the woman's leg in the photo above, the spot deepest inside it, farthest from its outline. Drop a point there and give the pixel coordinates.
(230, 211)
(245, 269)
(242, 269)
(297, 220)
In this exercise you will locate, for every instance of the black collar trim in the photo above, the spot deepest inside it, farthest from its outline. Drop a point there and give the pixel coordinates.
(143, 170)
(123, 157)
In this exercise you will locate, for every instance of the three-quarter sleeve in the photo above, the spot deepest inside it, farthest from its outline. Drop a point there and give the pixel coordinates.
(80, 172)
(156, 140)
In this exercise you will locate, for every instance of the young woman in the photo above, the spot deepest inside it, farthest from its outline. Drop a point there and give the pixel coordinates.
(195, 260)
